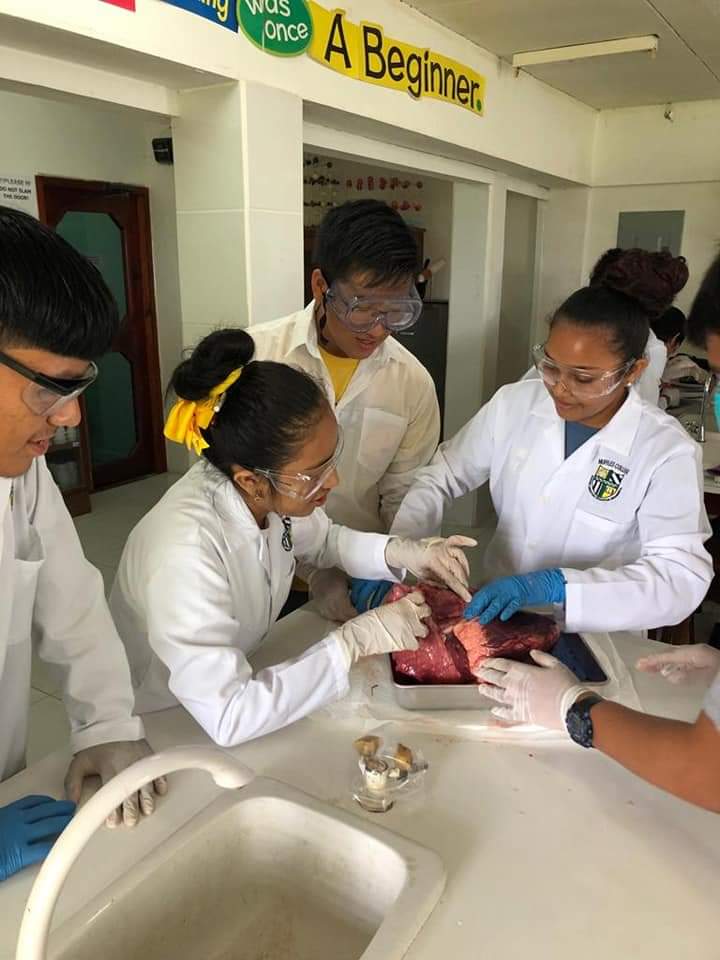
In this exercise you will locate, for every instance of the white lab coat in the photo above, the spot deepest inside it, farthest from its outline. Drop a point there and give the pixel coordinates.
(52, 596)
(198, 588)
(389, 415)
(648, 384)
(632, 561)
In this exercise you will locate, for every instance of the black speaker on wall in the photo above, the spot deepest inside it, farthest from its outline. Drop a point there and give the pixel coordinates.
(163, 149)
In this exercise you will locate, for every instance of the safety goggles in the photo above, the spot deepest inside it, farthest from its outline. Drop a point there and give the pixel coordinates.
(361, 314)
(583, 384)
(46, 395)
(304, 486)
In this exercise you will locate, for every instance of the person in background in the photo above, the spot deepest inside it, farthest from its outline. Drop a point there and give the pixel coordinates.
(656, 349)
(56, 318)
(384, 399)
(671, 329)
(682, 758)
(579, 468)
(205, 574)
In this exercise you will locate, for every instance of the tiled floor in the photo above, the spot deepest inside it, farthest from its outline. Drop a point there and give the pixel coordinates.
(103, 534)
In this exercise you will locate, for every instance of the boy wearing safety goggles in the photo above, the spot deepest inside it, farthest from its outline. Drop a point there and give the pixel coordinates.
(56, 317)
(363, 291)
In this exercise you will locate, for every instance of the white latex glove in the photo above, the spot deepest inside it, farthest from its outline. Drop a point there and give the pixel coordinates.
(105, 761)
(330, 589)
(387, 629)
(439, 561)
(540, 695)
(683, 663)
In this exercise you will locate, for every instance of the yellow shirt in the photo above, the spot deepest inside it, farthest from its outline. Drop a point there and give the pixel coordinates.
(341, 370)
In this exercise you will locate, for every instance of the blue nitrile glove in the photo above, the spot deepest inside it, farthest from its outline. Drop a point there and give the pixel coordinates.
(716, 405)
(367, 594)
(28, 829)
(504, 597)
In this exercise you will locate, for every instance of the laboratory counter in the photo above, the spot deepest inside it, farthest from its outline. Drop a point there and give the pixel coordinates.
(551, 851)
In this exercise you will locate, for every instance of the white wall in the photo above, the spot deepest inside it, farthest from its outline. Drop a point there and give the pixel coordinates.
(75, 140)
(639, 146)
(563, 228)
(701, 233)
(518, 287)
(526, 122)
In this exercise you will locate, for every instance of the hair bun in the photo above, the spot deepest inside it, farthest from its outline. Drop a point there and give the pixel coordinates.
(653, 280)
(211, 361)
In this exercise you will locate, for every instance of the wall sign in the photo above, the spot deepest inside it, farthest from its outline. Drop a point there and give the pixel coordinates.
(364, 52)
(19, 192)
(222, 12)
(281, 27)
(361, 51)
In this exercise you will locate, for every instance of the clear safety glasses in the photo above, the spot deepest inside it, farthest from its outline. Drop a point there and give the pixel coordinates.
(304, 486)
(583, 384)
(46, 395)
(361, 314)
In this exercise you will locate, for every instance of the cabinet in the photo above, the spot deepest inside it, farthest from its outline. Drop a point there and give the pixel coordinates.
(428, 342)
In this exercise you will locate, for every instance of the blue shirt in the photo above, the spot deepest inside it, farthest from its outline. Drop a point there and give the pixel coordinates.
(575, 436)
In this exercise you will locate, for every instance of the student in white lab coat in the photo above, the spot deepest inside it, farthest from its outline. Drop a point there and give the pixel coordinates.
(56, 317)
(205, 574)
(363, 289)
(682, 758)
(598, 494)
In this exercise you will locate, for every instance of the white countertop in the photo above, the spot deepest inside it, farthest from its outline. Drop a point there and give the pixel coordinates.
(551, 850)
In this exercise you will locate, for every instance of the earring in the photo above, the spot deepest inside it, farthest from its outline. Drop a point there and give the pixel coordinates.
(257, 498)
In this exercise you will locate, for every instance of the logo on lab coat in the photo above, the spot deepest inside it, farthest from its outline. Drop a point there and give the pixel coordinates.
(605, 483)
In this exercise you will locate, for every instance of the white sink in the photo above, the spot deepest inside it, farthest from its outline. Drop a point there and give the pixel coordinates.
(263, 873)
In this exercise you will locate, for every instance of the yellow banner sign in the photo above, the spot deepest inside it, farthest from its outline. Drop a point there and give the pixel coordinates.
(362, 51)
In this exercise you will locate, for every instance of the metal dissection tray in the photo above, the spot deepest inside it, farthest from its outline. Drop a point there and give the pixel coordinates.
(571, 649)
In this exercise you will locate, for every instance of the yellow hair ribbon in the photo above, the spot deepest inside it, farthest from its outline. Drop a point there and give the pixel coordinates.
(188, 417)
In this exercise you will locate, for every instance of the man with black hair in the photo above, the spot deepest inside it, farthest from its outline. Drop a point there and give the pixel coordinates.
(56, 318)
(363, 290)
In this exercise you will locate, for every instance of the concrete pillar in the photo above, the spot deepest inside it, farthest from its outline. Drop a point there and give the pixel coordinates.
(477, 249)
(238, 187)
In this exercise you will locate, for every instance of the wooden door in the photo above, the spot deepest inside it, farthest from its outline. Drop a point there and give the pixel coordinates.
(110, 224)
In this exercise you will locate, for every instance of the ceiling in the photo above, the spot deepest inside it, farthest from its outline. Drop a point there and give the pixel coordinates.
(686, 67)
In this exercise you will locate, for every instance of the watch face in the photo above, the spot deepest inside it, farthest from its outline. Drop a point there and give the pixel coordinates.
(579, 723)
(577, 726)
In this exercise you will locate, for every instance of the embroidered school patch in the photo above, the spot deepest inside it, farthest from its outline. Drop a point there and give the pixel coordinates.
(607, 480)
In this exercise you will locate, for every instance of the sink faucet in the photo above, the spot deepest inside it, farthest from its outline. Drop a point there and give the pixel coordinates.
(707, 386)
(39, 910)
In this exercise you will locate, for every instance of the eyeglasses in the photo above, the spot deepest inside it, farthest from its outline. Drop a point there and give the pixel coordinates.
(583, 384)
(361, 314)
(304, 486)
(46, 395)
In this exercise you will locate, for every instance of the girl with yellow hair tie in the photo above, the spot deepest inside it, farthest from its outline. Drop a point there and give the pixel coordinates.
(205, 574)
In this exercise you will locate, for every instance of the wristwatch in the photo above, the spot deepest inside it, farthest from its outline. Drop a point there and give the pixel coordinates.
(579, 722)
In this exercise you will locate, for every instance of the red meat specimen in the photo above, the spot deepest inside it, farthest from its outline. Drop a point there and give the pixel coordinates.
(522, 633)
(453, 646)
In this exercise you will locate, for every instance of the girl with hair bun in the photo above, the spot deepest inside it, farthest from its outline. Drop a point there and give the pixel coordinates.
(598, 494)
(205, 574)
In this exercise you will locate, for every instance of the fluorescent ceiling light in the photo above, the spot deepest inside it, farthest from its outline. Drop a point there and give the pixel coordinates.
(581, 51)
